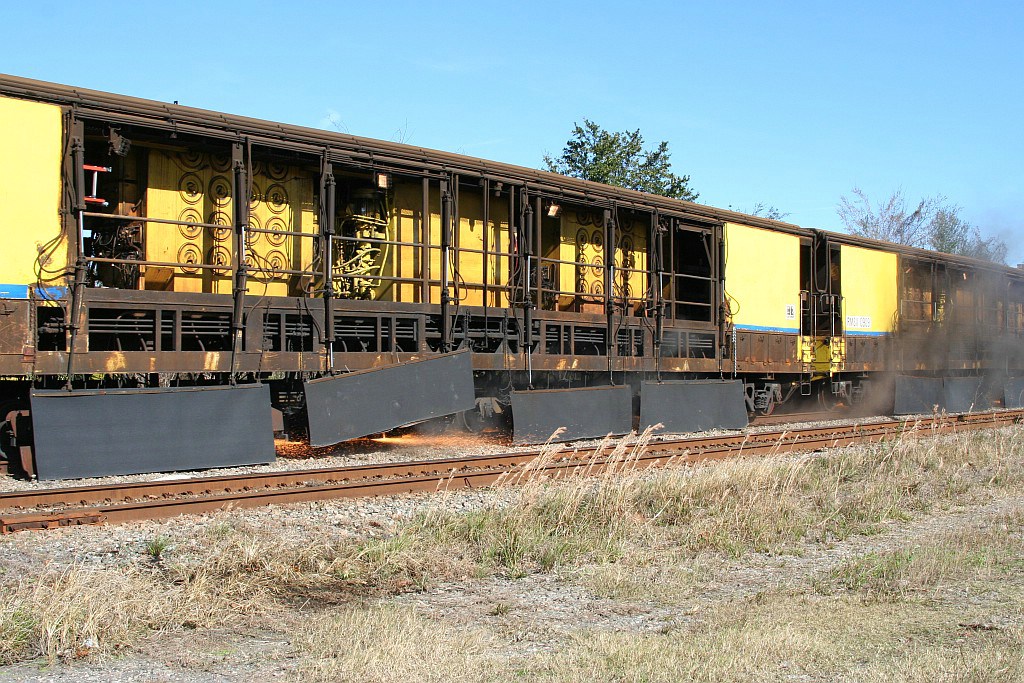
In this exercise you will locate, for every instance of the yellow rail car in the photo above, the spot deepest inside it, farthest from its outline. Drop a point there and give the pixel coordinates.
(156, 259)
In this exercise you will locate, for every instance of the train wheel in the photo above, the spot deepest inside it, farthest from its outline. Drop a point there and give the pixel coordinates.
(488, 415)
(827, 400)
(7, 448)
(15, 435)
(472, 421)
(9, 454)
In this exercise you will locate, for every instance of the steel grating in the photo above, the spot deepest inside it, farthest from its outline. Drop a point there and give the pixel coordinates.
(130, 431)
(589, 412)
(371, 401)
(693, 406)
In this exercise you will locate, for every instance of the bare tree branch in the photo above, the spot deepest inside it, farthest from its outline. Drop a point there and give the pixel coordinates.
(933, 223)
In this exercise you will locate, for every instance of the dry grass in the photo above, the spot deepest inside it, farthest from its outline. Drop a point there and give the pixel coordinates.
(965, 555)
(627, 529)
(763, 505)
(662, 580)
(234, 575)
(387, 644)
(795, 633)
(71, 612)
(896, 616)
(790, 637)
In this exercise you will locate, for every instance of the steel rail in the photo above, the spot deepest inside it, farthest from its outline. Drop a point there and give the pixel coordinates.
(477, 471)
(137, 491)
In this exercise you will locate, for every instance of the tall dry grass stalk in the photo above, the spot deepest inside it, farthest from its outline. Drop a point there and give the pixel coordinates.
(613, 508)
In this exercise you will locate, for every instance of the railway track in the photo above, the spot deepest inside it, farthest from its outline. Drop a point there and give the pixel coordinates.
(72, 506)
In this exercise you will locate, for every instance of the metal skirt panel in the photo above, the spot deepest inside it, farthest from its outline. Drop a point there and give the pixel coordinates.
(693, 406)
(371, 401)
(591, 412)
(964, 395)
(1013, 393)
(915, 395)
(98, 433)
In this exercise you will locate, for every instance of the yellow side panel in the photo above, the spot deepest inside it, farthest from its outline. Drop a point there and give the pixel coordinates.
(30, 142)
(762, 278)
(178, 192)
(468, 274)
(582, 242)
(434, 252)
(498, 248)
(281, 200)
(631, 254)
(197, 188)
(869, 290)
(405, 226)
(472, 233)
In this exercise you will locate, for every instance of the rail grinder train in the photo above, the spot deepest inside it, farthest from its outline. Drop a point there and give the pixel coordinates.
(174, 282)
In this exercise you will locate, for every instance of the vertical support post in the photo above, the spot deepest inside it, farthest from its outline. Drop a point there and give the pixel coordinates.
(673, 228)
(454, 258)
(425, 244)
(327, 230)
(538, 250)
(515, 246)
(455, 237)
(655, 271)
(78, 290)
(609, 284)
(723, 339)
(485, 186)
(526, 238)
(446, 218)
(240, 195)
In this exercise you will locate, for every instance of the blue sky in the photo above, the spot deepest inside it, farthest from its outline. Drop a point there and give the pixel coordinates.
(787, 104)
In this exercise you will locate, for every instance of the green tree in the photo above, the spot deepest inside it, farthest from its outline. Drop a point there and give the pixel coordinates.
(593, 153)
(953, 235)
(931, 223)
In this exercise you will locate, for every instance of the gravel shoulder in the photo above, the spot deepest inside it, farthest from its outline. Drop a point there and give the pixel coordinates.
(525, 616)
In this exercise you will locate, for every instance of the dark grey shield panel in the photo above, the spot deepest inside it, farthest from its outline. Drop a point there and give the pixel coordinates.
(693, 406)
(591, 412)
(917, 394)
(371, 401)
(129, 431)
(964, 395)
(1013, 393)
